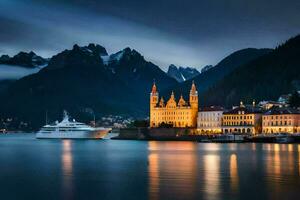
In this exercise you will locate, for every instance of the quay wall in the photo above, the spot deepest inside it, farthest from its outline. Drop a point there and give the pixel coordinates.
(157, 133)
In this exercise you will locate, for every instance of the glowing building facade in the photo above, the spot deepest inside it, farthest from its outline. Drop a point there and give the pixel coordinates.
(281, 120)
(175, 114)
(242, 119)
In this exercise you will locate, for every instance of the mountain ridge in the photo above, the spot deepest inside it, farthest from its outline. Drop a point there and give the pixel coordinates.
(266, 77)
(181, 74)
(208, 78)
(24, 59)
(77, 79)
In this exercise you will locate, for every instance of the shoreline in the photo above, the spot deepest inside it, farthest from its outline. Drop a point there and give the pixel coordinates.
(146, 136)
(274, 140)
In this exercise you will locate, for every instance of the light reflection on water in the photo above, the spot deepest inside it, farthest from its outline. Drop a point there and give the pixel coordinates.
(67, 169)
(141, 170)
(172, 169)
(211, 176)
(234, 177)
(298, 158)
(184, 170)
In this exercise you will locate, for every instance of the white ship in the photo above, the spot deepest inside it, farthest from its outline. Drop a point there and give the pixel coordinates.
(67, 129)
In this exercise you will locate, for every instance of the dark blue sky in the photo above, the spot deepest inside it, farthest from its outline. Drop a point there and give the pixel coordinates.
(183, 32)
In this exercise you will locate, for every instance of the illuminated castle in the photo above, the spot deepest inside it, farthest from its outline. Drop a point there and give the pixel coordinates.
(181, 114)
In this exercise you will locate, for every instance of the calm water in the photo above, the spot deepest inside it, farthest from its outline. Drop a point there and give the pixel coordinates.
(109, 169)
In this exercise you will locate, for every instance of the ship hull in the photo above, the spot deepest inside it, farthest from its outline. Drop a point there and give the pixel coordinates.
(95, 134)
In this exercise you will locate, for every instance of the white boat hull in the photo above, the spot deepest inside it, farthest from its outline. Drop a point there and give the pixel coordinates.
(95, 134)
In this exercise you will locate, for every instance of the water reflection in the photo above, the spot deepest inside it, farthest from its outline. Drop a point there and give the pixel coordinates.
(282, 168)
(172, 168)
(234, 178)
(186, 170)
(211, 176)
(153, 176)
(276, 160)
(67, 169)
(139, 170)
(298, 159)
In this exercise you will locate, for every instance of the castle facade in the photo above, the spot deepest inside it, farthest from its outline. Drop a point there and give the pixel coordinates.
(179, 114)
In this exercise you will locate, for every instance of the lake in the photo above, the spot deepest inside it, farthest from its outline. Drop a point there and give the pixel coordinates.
(123, 169)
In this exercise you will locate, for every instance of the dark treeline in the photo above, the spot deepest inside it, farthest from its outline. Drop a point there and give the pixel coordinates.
(265, 78)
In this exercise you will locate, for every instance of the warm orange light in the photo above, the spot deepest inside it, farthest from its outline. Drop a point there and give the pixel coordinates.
(234, 177)
(212, 176)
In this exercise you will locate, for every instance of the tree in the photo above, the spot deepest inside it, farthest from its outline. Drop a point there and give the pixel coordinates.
(294, 100)
(141, 123)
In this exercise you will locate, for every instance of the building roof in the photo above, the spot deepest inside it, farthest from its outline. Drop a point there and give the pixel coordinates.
(211, 108)
(281, 111)
(246, 110)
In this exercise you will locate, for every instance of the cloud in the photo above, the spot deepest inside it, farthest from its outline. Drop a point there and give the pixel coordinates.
(190, 33)
(50, 30)
(9, 72)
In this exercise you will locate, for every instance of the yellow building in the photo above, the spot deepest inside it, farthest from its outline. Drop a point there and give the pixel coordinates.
(242, 119)
(181, 114)
(281, 120)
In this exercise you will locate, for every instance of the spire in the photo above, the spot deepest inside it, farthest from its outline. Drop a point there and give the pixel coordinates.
(171, 102)
(193, 88)
(154, 90)
(181, 101)
(172, 95)
(162, 102)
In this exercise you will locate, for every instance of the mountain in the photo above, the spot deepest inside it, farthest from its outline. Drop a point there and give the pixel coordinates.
(210, 77)
(84, 80)
(206, 68)
(4, 84)
(27, 60)
(18, 66)
(181, 74)
(264, 78)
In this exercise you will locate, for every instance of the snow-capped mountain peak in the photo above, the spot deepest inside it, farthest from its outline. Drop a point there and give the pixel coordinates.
(182, 74)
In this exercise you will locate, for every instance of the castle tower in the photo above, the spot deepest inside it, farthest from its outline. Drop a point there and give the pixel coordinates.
(194, 103)
(194, 96)
(153, 103)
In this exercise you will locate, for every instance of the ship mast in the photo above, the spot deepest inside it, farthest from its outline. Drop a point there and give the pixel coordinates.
(94, 120)
(46, 117)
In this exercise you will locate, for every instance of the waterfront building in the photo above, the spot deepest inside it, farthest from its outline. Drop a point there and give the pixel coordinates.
(174, 114)
(242, 119)
(281, 120)
(210, 120)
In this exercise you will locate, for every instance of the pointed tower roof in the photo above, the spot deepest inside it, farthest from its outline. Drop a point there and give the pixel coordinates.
(154, 89)
(193, 88)
(172, 95)
(171, 102)
(162, 102)
(181, 101)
